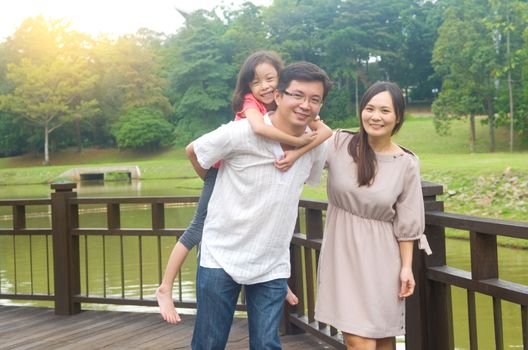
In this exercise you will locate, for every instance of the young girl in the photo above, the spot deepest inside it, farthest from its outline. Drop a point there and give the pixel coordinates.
(253, 97)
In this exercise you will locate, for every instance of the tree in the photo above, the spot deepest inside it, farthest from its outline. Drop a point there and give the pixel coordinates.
(520, 59)
(302, 30)
(46, 94)
(509, 21)
(359, 42)
(410, 64)
(297, 27)
(130, 76)
(16, 137)
(53, 79)
(465, 57)
(202, 78)
(455, 103)
(246, 32)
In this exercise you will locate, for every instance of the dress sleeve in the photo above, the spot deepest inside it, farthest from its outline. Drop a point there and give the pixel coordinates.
(318, 165)
(409, 221)
(331, 148)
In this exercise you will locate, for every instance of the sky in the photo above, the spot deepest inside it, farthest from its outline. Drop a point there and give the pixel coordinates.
(107, 16)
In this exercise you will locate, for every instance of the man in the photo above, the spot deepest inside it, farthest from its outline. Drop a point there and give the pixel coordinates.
(252, 212)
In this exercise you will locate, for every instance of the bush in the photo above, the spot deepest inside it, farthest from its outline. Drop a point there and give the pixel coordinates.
(142, 128)
(18, 137)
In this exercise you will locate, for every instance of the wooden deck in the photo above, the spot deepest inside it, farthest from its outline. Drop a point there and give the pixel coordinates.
(39, 328)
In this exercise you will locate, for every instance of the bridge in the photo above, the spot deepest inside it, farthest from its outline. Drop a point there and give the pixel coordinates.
(428, 312)
(100, 173)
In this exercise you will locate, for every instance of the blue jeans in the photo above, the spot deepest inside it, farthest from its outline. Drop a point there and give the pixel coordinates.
(193, 234)
(217, 295)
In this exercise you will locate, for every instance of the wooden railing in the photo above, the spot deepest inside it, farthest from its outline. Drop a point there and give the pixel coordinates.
(429, 320)
(429, 311)
(483, 278)
(19, 228)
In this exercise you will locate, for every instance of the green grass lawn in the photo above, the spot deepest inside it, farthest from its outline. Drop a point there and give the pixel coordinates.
(418, 133)
(451, 152)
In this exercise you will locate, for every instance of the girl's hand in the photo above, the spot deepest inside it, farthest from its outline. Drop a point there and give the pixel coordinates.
(407, 282)
(287, 161)
(305, 139)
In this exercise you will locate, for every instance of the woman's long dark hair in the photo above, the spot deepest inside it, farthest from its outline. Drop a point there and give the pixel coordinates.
(247, 74)
(358, 147)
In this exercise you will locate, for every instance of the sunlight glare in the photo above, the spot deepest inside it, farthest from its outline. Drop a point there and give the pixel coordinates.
(94, 16)
(115, 17)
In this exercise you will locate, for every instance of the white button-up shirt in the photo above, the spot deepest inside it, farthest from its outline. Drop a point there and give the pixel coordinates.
(252, 212)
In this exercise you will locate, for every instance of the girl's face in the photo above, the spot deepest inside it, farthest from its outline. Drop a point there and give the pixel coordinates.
(264, 83)
(378, 116)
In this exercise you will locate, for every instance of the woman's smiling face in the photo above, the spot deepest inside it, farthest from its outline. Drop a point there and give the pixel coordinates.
(378, 117)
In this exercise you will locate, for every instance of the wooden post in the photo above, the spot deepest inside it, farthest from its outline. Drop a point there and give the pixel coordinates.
(485, 265)
(314, 230)
(19, 217)
(19, 222)
(158, 223)
(428, 311)
(437, 298)
(484, 258)
(295, 284)
(65, 250)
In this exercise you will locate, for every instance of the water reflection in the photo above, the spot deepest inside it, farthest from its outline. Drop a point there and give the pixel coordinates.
(130, 187)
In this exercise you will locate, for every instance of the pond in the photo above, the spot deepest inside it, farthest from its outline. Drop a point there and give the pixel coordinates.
(512, 262)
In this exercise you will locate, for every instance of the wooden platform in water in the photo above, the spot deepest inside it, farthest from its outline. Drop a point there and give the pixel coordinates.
(39, 328)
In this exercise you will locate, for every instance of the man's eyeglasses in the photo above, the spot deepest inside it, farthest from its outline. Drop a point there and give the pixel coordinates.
(300, 97)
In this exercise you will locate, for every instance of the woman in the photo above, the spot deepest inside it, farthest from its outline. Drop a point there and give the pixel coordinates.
(375, 212)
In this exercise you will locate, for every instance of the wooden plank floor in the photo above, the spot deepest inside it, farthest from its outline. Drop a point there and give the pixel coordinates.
(39, 328)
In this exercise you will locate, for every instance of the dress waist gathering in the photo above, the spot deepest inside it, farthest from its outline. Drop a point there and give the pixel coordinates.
(359, 215)
(423, 243)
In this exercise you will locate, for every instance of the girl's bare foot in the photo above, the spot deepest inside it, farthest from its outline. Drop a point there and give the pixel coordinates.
(291, 298)
(166, 305)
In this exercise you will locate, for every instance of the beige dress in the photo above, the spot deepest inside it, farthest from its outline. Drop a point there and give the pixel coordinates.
(359, 264)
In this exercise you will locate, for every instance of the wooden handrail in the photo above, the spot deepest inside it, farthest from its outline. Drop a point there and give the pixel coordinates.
(482, 225)
(24, 202)
(134, 200)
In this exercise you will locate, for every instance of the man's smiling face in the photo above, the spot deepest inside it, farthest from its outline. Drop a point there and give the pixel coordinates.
(300, 102)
